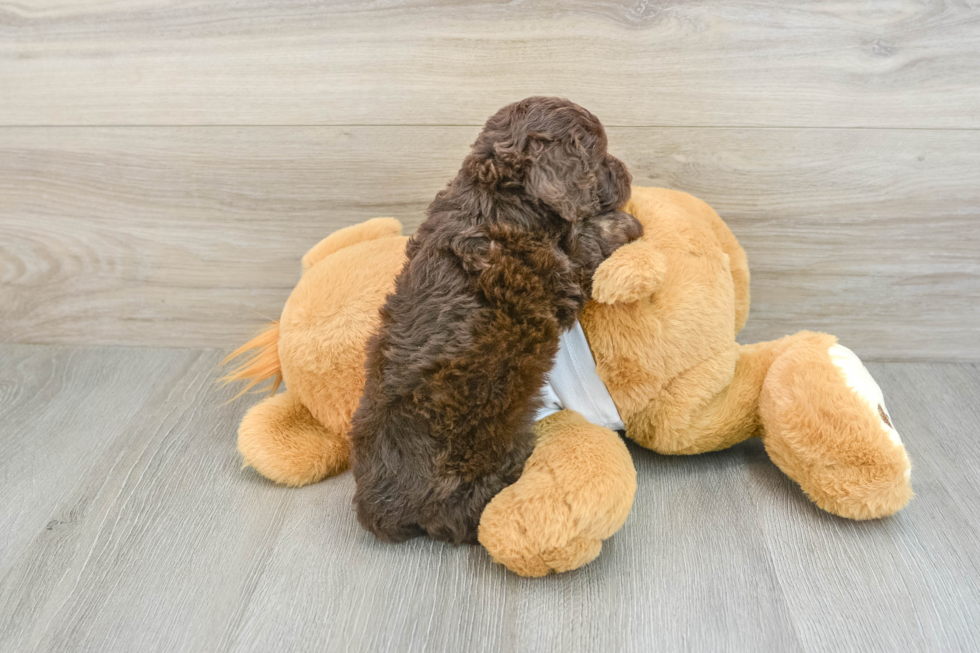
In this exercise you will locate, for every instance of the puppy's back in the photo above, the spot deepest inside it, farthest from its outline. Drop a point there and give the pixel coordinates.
(452, 380)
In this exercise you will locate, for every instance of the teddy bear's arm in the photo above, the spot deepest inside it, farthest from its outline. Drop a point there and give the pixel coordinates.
(632, 272)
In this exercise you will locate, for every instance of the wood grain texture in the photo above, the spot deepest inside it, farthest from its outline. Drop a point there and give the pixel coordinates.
(192, 236)
(872, 586)
(895, 63)
(128, 525)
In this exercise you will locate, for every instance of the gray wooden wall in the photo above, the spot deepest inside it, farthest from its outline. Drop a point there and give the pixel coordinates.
(164, 165)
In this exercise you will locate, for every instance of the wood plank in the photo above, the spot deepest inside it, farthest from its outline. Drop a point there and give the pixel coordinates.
(907, 583)
(150, 545)
(192, 236)
(44, 394)
(699, 577)
(942, 402)
(662, 581)
(159, 541)
(167, 531)
(893, 64)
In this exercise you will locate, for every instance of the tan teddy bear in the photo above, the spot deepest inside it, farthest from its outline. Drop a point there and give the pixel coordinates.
(655, 353)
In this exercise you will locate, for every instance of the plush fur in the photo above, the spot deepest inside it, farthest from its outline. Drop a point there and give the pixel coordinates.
(664, 344)
(576, 490)
(501, 266)
(318, 349)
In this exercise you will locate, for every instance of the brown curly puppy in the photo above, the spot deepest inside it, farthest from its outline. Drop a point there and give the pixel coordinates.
(498, 270)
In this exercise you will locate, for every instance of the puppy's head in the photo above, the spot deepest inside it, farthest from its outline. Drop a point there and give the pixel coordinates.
(556, 151)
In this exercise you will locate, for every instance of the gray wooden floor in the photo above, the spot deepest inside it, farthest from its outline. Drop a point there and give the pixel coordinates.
(127, 524)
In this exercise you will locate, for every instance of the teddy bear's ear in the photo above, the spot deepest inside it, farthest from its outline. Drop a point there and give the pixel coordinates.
(371, 230)
(632, 272)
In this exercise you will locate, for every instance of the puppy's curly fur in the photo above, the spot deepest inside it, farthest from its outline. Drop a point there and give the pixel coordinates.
(499, 269)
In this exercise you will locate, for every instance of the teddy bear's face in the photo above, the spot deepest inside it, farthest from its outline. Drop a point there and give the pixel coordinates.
(665, 304)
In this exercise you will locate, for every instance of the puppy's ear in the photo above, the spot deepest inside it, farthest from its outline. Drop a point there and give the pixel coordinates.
(561, 174)
(632, 272)
(614, 184)
(504, 162)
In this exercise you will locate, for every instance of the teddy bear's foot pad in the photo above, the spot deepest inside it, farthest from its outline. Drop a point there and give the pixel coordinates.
(827, 428)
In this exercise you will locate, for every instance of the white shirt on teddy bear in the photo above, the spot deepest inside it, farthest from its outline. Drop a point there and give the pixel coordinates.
(574, 383)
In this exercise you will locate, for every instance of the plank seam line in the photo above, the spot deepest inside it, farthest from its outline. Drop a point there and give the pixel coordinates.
(477, 126)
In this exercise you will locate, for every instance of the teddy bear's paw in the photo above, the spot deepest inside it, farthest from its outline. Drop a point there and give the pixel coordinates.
(286, 444)
(578, 552)
(859, 379)
(576, 490)
(827, 427)
(634, 271)
(529, 529)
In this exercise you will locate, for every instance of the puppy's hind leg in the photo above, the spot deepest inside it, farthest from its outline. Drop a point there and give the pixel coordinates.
(455, 516)
(383, 511)
(388, 487)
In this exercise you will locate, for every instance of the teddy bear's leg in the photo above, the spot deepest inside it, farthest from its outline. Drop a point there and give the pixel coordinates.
(281, 439)
(826, 426)
(711, 406)
(576, 490)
